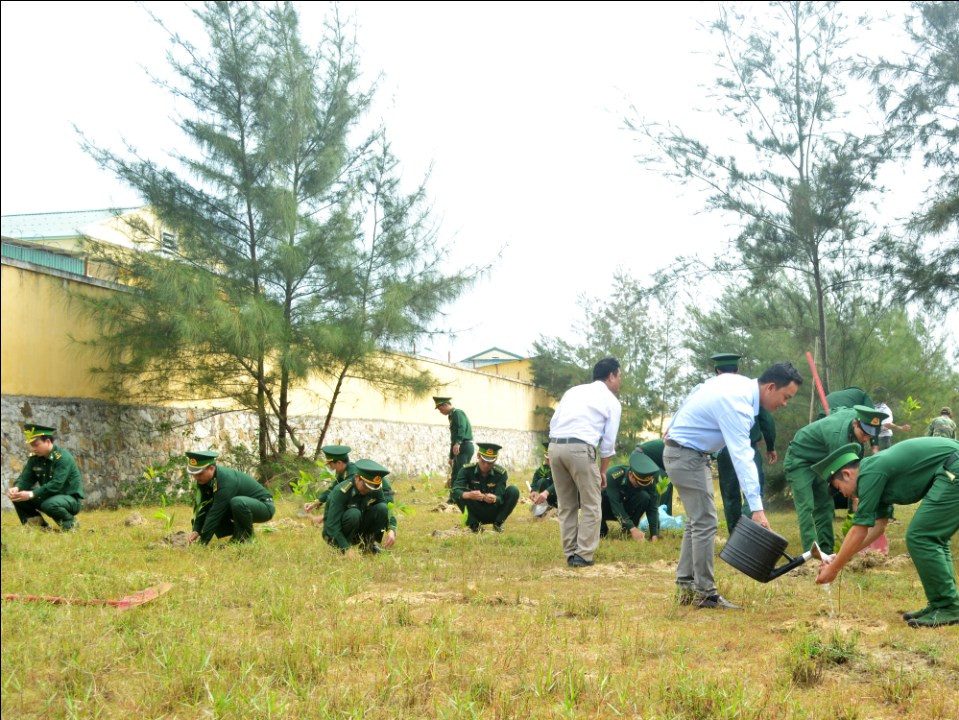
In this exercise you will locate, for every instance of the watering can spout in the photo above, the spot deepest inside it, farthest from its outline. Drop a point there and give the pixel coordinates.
(795, 562)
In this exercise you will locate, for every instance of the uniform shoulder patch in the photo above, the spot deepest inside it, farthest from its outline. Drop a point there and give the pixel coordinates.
(470, 465)
(344, 488)
(498, 470)
(56, 455)
(618, 474)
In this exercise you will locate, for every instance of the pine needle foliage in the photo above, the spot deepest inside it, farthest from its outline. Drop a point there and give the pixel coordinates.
(274, 278)
(793, 174)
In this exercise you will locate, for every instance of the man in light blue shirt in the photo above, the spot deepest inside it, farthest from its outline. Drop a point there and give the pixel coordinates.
(587, 416)
(718, 413)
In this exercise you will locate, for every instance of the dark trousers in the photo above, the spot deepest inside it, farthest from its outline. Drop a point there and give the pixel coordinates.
(636, 506)
(733, 505)
(365, 528)
(244, 511)
(61, 508)
(479, 512)
(459, 460)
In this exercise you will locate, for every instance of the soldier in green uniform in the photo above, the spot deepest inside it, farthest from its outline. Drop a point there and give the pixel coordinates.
(764, 428)
(848, 397)
(942, 425)
(461, 438)
(814, 505)
(631, 491)
(924, 469)
(50, 482)
(229, 501)
(359, 513)
(482, 489)
(338, 460)
(654, 450)
(541, 489)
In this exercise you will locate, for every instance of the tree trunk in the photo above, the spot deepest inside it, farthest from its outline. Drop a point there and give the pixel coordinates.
(329, 412)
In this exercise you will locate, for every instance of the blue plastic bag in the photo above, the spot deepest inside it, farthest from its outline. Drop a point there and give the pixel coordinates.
(666, 521)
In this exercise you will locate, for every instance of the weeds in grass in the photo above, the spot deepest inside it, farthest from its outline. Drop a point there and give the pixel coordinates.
(931, 652)
(804, 662)
(489, 626)
(810, 654)
(898, 686)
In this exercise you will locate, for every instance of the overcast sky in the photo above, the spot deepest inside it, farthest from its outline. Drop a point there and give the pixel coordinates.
(517, 107)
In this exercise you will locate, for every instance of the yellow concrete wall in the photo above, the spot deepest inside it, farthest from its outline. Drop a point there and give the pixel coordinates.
(515, 369)
(488, 400)
(37, 355)
(39, 359)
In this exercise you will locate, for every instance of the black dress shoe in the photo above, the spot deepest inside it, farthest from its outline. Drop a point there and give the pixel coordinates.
(576, 561)
(717, 602)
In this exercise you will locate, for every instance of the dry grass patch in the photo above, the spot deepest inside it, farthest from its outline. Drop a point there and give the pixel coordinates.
(450, 624)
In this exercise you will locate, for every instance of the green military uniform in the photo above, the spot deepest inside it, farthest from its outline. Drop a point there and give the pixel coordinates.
(625, 502)
(55, 482)
(811, 496)
(229, 503)
(493, 482)
(848, 397)
(461, 433)
(360, 516)
(543, 479)
(543, 482)
(654, 451)
(334, 453)
(925, 469)
(349, 472)
(942, 425)
(764, 428)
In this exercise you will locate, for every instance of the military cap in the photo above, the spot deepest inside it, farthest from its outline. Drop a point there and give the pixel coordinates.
(336, 452)
(371, 473)
(641, 464)
(870, 419)
(33, 431)
(488, 451)
(722, 360)
(437, 401)
(200, 460)
(837, 459)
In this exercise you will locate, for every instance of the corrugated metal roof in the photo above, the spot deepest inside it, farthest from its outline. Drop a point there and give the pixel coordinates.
(47, 226)
(45, 258)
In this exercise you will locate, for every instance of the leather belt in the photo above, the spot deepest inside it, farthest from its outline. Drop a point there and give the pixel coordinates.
(568, 441)
(673, 443)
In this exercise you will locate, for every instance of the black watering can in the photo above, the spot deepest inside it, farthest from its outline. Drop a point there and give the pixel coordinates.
(754, 550)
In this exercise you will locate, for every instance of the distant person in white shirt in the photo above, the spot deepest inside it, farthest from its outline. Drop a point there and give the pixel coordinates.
(717, 413)
(885, 435)
(587, 416)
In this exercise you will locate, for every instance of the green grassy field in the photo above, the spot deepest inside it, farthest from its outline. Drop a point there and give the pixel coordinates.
(452, 625)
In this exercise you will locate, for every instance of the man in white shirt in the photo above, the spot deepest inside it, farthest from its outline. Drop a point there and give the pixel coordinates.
(587, 416)
(885, 435)
(717, 413)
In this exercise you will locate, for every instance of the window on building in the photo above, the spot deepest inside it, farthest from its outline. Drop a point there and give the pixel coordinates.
(168, 241)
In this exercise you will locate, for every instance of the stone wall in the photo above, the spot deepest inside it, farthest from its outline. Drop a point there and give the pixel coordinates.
(115, 443)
